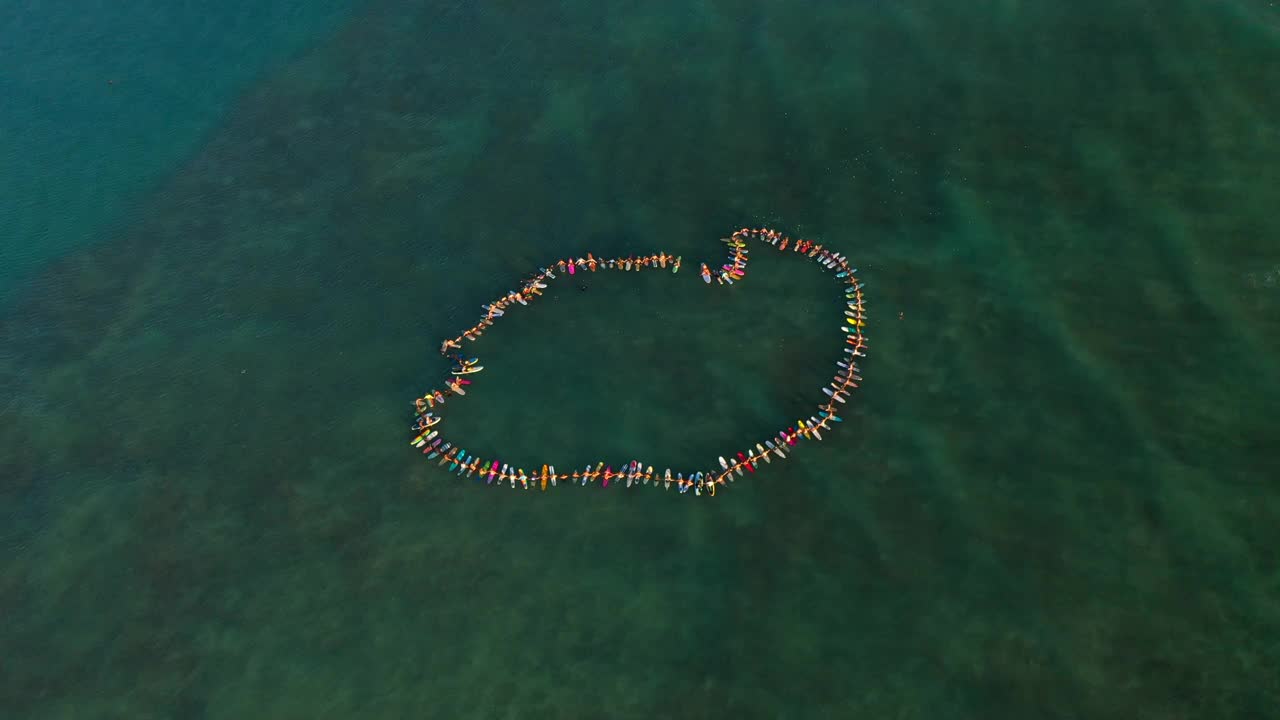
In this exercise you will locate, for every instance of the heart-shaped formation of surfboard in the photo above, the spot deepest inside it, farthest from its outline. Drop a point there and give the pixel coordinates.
(634, 472)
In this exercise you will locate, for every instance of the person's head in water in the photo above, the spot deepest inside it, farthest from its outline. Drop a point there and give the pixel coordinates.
(582, 288)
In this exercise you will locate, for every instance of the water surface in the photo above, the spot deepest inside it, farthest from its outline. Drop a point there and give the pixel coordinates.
(1053, 497)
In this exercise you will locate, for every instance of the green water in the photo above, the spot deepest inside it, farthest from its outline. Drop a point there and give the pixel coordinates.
(1053, 497)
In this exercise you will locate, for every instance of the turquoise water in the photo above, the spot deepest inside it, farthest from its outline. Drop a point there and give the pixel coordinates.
(1053, 497)
(103, 101)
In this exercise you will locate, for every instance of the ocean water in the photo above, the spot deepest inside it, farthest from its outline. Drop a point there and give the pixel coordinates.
(102, 101)
(1054, 496)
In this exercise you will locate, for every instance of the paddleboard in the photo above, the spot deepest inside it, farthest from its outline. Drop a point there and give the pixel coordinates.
(424, 437)
(424, 432)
